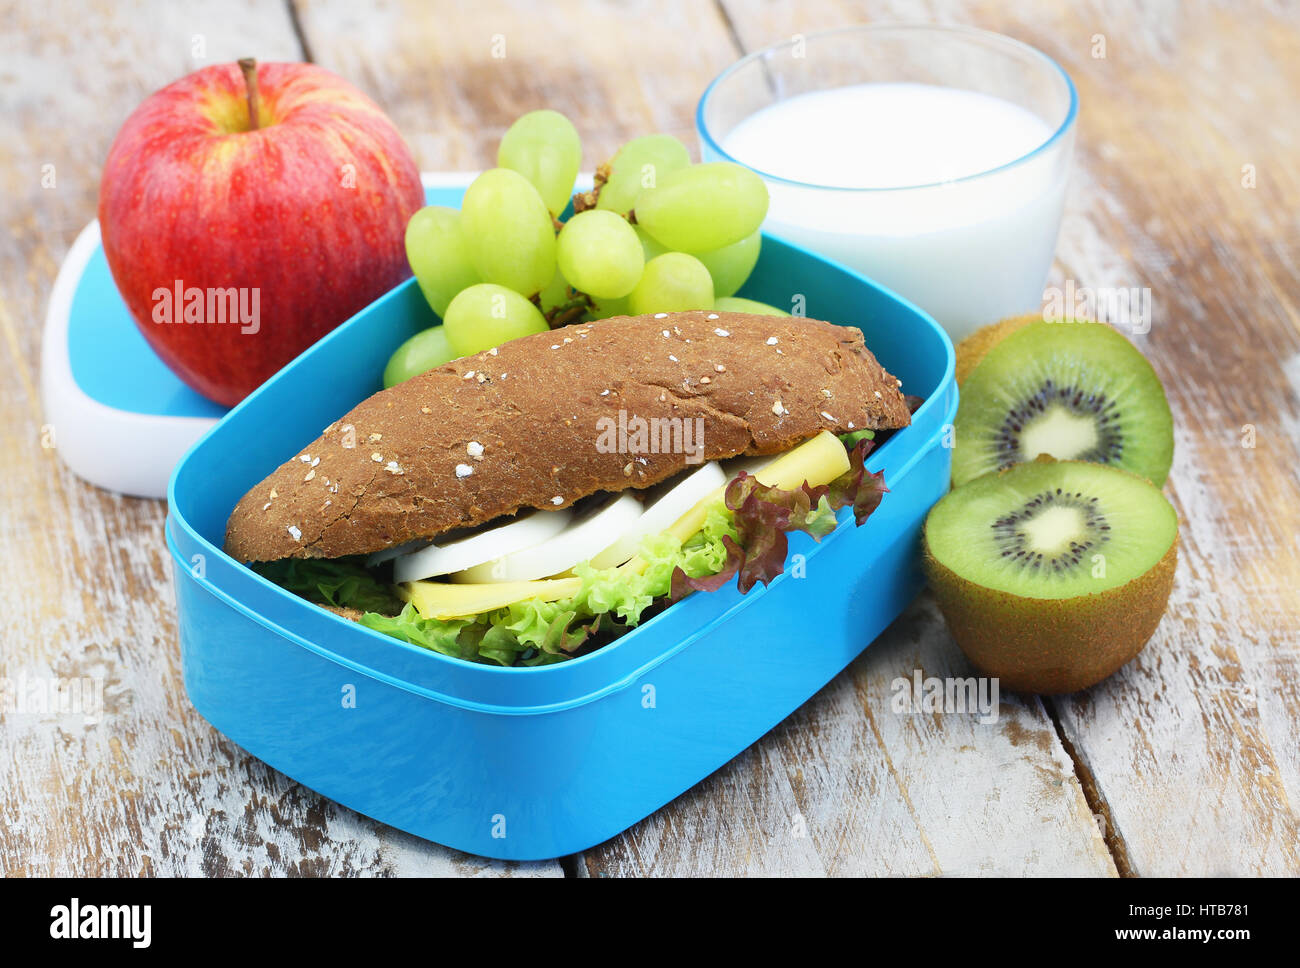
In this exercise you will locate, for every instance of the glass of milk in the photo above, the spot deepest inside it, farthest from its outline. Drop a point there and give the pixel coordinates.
(931, 159)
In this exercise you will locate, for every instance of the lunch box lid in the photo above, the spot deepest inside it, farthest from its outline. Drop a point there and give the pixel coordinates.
(293, 407)
(105, 393)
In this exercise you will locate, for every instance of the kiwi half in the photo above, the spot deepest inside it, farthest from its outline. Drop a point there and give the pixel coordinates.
(1052, 574)
(1074, 390)
(972, 349)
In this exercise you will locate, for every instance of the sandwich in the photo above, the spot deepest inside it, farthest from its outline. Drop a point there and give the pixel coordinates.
(537, 500)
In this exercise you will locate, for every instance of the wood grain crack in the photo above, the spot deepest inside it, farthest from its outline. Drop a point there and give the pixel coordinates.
(1110, 834)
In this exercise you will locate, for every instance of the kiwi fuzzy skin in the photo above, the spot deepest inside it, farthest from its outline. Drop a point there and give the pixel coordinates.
(972, 349)
(1052, 646)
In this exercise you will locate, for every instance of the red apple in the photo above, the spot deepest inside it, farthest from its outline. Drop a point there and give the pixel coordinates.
(236, 243)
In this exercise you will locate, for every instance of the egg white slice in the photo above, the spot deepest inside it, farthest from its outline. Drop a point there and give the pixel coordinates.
(586, 535)
(487, 544)
(396, 551)
(665, 505)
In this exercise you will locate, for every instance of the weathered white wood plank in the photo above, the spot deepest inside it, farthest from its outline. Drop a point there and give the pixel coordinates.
(1190, 749)
(150, 788)
(1185, 185)
(1193, 746)
(851, 785)
(455, 76)
(1207, 716)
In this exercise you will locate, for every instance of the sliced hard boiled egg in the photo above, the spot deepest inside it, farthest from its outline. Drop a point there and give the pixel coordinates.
(664, 506)
(587, 534)
(396, 551)
(816, 461)
(485, 545)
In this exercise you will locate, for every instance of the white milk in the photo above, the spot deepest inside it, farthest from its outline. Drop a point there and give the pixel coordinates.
(968, 252)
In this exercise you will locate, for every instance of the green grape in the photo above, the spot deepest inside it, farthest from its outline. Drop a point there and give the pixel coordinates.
(488, 315)
(600, 254)
(671, 283)
(703, 207)
(508, 231)
(639, 165)
(435, 248)
(422, 352)
(731, 265)
(649, 246)
(732, 304)
(544, 147)
(556, 292)
(605, 308)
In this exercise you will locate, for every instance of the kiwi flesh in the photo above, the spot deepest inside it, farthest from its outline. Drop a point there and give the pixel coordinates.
(1052, 574)
(972, 349)
(1073, 390)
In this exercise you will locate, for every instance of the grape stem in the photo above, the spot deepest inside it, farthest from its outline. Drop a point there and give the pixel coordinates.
(585, 200)
(248, 65)
(565, 313)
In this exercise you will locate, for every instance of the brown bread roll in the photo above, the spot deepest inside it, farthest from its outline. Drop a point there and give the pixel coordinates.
(543, 421)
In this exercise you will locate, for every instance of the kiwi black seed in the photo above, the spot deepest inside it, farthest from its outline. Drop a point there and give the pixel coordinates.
(1052, 574)
(1012, 542)
(1073, 390)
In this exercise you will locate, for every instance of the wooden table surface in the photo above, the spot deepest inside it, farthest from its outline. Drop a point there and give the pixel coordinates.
(1187, 182)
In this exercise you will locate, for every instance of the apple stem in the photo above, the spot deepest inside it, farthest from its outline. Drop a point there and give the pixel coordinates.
(249, 66)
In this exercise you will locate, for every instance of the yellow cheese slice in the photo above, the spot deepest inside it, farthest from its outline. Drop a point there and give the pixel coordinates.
(817, 461)
(439, 599)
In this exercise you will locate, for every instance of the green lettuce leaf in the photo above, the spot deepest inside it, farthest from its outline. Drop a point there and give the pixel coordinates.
(610, 603)
(342, 582)
(855, 437)
(763, 516)
(744, 537)
(437, 636)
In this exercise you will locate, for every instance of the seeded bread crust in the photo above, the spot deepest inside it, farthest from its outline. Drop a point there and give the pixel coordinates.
(534, 424)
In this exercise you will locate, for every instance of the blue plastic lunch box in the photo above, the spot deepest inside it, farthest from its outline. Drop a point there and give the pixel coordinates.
(531, 763)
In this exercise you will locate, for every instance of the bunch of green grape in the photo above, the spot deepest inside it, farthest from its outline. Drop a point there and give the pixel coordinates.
(656, 234)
